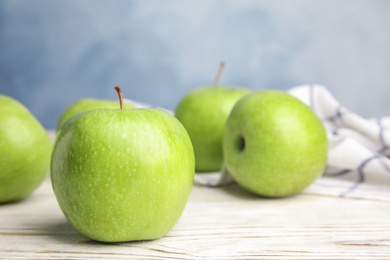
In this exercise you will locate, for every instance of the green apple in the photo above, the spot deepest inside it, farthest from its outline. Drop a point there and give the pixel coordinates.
(122, 175)
(25, 149)
(274, 145)
(204, 112)
(86, 104)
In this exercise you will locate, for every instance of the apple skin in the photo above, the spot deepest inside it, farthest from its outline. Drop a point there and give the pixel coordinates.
(86, 104)
(204, 112)
(25, 149)
(274, 145)
(122, 175)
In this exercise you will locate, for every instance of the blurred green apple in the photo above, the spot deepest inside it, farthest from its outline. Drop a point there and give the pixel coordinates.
(86, 104)
(122, 175)
(25, 149)
(274, 145)
(204, 112)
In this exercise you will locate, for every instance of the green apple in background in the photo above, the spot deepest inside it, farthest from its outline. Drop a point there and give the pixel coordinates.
(122, 174)
(25, 149)
(86, 104)
(274, 145)
(204, 112)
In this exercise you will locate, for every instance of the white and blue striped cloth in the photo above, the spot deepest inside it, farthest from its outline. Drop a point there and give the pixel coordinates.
(358, 147)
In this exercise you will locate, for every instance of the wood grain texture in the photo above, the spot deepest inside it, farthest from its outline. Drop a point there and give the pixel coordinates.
(218, 223)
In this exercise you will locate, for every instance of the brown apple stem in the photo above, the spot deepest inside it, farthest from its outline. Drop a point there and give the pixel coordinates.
(119, 91)
(219, 73)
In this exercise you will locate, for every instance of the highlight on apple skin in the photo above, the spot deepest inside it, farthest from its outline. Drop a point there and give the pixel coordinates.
(274, 145)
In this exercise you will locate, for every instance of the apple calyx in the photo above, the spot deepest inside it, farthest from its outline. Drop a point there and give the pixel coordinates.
(241, 143)
(219, 73)
(120, 96)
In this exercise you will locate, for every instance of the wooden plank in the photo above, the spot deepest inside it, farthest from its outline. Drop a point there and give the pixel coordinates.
(218, 223)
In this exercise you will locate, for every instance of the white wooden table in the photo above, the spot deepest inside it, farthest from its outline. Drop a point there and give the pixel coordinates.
(218, 223)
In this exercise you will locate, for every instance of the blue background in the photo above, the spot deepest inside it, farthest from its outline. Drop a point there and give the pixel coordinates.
(55, 52)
